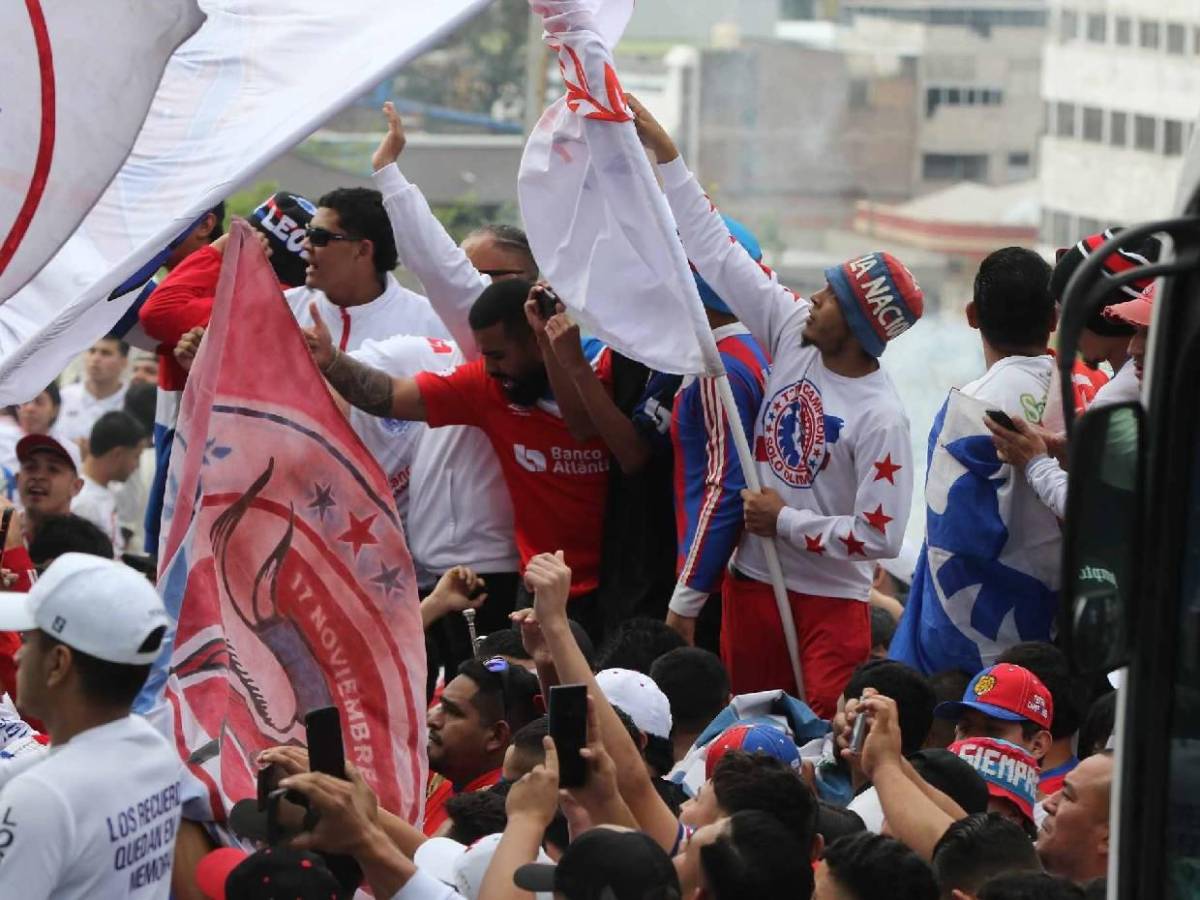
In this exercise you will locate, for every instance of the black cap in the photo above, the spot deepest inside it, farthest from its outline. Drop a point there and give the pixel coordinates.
(605, 863)
(954, 777)
(282, 217)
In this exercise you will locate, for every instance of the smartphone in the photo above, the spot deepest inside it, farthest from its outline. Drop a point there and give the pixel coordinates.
(547, 301)
(568, 727)
(326, 752)
(1001, 418)
(858, 734)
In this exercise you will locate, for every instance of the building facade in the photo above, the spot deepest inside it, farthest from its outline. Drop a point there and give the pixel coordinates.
(1121, 85)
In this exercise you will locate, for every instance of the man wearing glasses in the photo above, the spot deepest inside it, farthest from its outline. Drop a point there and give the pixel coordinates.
(470, 728)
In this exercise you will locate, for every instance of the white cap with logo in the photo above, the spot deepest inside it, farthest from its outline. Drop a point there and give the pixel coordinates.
(94, 605)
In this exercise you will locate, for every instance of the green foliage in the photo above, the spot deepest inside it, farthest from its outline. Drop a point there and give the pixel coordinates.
(466, 214)
(246, 200)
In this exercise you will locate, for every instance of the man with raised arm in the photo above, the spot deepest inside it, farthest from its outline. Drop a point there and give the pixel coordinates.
(831, 442)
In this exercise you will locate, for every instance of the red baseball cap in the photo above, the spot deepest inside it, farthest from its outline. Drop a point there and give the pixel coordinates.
(1004, 691)
(66, 450)
(1137, 312)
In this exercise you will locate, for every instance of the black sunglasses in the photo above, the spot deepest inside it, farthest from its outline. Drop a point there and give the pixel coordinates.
(320, 237)
(498, 665)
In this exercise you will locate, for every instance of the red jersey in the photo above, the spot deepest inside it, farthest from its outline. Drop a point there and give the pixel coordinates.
(440, 790)
(183, 301)
(1085, 382)
(18, 562)
(558, 484)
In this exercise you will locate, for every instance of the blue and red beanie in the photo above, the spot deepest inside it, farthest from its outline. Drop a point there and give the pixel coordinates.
(879, 298)
(761, 736)
(749, 243)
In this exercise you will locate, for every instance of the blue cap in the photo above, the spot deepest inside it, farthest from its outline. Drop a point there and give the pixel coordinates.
(749, 243)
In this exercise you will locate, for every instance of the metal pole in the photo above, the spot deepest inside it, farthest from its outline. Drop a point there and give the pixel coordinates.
(535, 72)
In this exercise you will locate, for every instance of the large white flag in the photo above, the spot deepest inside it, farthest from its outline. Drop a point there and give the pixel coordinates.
(257, 78)
(597, 222)
(78, 79)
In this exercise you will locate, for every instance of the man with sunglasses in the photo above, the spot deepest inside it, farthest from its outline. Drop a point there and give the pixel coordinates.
(470, 728)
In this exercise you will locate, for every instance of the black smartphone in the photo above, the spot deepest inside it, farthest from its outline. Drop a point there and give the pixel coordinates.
(325, 750)
(1000, 417)
(547, 301)
(568, 727)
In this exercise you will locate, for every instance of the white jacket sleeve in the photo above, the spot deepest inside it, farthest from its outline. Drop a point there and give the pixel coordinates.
(874, 528)
(750, 289)
(1049, 482)
(451, 283)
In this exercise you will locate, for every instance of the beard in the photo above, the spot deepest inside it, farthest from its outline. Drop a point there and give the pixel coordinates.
(528, 389)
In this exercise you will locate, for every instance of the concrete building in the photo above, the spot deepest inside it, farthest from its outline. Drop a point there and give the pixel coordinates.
(1121, 84)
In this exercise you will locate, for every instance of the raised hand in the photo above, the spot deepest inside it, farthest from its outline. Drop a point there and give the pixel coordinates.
(319, 340)
(391, 145)
(653, 136)
(188, 346)
(549, 579)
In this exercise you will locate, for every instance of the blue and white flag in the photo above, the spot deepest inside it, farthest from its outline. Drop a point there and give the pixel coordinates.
(989, 572)
(257, 78)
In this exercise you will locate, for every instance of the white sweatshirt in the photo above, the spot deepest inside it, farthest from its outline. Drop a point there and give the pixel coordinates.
(460, 512)
(396, 311)
(836, 449)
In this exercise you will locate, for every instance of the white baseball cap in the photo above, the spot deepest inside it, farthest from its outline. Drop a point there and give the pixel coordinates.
(638, 697)
(95, 605)
(463, 867)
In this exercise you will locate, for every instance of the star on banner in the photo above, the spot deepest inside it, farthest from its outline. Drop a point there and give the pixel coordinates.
(885, 468)
(813, 544)
(322, 499)
(877, 519)
(359, 534)
(388, 579)
(212, 449)
(853, 545)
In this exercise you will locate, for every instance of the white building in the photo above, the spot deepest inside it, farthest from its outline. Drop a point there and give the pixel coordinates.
(1121, 85)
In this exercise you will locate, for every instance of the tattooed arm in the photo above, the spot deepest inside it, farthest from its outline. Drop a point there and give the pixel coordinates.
(371, 390)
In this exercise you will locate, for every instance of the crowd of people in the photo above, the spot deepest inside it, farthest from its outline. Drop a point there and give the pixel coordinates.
(592, 519)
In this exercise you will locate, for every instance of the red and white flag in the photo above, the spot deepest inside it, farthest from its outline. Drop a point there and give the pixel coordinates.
(78, 80)
(597, 222)
(285, 562)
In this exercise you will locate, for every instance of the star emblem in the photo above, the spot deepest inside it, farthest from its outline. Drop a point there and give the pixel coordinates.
(813, 544)
(877, 519)
(388, 579)
(322, 499)
(885, 468)
(358, 535)
(853, 545)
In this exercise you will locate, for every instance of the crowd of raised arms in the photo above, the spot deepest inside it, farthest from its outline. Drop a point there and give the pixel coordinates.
(576, 518)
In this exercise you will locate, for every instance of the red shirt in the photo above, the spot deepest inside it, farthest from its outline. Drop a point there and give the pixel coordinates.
(183, 301)
(558, 484)
(440, 790)
(18, 562)
(1086, 381)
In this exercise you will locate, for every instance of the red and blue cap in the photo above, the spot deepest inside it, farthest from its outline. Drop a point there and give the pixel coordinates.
(1004, 691)
(752, 737)
(1010, 771)
(879, 298)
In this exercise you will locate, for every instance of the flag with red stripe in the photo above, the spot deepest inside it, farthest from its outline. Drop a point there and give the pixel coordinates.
(285, 562)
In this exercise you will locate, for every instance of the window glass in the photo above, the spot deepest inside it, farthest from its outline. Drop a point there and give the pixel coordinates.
(1097, 28)
(1148, 34)
(1093, 124)
(1144, 132)
(1065, 120)
(1116, 129)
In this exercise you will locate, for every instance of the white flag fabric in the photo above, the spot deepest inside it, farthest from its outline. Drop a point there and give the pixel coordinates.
(78, 79)
(598, 224)
(255, 80)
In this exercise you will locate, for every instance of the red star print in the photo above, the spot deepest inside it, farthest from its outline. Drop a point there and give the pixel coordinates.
(853, 545)
(877, 519)
(359, 533)
(813, 544)
(885, 468)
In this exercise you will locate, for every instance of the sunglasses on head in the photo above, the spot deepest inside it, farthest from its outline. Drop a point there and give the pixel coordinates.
(320, 237)
(498, 665)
